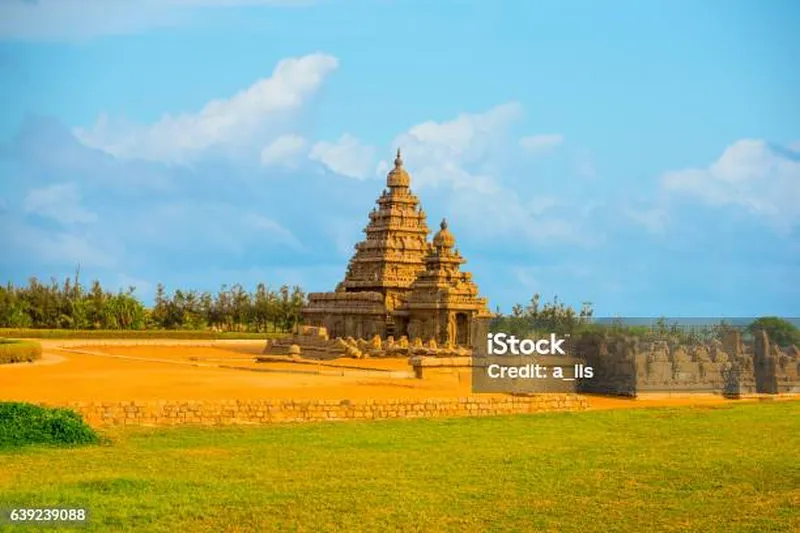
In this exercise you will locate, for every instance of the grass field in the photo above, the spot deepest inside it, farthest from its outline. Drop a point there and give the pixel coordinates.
(14, 351)
(729, 468)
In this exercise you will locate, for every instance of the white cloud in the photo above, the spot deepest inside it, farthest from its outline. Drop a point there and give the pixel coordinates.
(69, 20)
(750, 174)
(504, 214)
(468, 133)
(440, 153)
(247, 118)
(61, 202)
(346, 156)
(540, 144)
(264, 224)
(466, 156)
(283, 151)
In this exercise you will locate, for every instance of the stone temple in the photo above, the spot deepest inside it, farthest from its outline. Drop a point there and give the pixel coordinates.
(399, 283)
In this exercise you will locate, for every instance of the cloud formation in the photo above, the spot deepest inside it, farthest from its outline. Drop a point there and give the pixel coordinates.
(250, 118)
(439, 153)
(283, 151)
(751, 174)
(469, 164)
(346, 156)
(539, 144)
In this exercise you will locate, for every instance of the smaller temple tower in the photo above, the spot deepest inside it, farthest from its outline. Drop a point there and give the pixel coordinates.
(443, 303)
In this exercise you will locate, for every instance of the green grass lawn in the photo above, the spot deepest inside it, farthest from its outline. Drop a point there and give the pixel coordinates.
(732, 468)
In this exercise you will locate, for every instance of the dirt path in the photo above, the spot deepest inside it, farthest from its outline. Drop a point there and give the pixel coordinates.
(153, 372)
(124, 370)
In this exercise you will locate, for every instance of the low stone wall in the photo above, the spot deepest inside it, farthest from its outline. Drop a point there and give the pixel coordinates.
(457, 368)
(169, 413)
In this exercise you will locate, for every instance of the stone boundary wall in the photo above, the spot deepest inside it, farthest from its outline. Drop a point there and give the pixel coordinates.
(171, 413)
(627, 365)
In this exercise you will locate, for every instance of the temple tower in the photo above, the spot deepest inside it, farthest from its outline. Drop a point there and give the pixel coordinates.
(393, 253)
(397, 283)
(385, 264)
(444, 304)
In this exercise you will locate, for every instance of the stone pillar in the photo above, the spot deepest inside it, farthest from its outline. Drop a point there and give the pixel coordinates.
(764, 364)
(732, 343)
(479, 329)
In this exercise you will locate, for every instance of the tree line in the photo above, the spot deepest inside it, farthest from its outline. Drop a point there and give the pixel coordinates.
(543, 318)
(538, 318)
(70, 305)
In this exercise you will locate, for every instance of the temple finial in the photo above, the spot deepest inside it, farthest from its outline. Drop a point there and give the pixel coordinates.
(443, 225)
(398, 161)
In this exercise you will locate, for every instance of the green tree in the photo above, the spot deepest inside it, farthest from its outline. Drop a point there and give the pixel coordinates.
(780, 331)
(67, 305)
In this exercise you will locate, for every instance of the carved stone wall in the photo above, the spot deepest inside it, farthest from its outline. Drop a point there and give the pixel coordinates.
(627, 366)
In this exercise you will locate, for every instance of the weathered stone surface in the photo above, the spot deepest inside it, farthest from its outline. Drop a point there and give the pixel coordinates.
(255, 412)
(729, 366)
(400, 284)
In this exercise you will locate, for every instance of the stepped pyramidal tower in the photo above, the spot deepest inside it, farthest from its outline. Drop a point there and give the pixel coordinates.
(400, 284)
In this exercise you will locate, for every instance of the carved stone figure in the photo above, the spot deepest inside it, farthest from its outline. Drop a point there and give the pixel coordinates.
(701, 354)
(658, 352)
(376, 343)
(451, 329)
(679, 355)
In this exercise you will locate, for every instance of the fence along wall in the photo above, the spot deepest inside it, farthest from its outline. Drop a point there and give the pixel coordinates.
(272, 411)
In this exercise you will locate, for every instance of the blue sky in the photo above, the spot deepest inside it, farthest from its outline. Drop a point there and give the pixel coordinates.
(644, 156)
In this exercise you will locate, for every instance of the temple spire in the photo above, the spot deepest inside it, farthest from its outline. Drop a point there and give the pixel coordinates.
(443, 238)
(398, 177)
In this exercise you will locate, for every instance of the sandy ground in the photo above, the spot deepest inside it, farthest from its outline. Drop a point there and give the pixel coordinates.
(186, 370)
(149, 372)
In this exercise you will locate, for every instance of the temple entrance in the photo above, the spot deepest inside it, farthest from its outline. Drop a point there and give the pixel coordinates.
(462, 329)
(400, 327)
